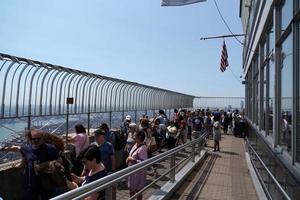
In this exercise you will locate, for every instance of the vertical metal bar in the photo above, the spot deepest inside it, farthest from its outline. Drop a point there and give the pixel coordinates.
(29, 97)
(58, 75)
(172, 168)
(110, 115)
(24, 89)
(151, 100)
(96, 94)
(128, 96)
(123, 99)
(37, 88)
(67, 124)
(57, 93)
(76, 92)
(18, 89)
(83, 91)
(193, 152)
(137, 98)
(47, 88)
(11, 89)
(66, 91)
(4, 88)
(106, 95)
(132, 102)
(41, 92)
(89, 105)
(101, 93)
(200, 146)
(111, 95)
(117, 94)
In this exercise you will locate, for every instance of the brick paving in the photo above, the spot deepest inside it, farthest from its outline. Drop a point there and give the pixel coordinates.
(229, 177)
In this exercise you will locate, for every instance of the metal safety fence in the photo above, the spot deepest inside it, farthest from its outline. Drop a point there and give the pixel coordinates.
(30, 88)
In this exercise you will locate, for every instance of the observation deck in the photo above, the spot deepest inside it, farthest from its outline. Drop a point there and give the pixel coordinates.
(54, 98)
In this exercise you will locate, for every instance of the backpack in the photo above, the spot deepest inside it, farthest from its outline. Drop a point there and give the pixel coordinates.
(124, 128)
(119, 140)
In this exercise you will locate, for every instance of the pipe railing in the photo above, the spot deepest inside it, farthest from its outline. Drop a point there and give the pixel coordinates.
(45, 88)
(277, 184)
(114, 178)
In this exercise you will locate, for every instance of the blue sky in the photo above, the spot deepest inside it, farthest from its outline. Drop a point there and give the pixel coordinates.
(135, 40)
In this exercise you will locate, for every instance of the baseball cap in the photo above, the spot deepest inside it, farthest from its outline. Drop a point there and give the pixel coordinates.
(128, 117)
(99, 132)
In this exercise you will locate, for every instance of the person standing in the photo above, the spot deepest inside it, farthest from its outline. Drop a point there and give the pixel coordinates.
(137, 154)
(91, 158)
(197, 126)
(225, 123)
(109, 136)
(37, 156)
(217, 132)
(171, 135)
(80, 140)
(106, 149)
(125, 126)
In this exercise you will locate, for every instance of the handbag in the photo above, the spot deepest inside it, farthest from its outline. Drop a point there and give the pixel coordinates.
(153, 145)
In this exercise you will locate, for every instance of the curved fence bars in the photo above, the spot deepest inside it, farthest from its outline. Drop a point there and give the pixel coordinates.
(31, 89)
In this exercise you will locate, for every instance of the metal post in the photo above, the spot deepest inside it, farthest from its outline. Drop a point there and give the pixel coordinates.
(29, 119)
(123, 117)
(89, 123)
(110, 119)
(200, 145)
(67, 123)
(193, 152)
(172, 167)
(69, 100)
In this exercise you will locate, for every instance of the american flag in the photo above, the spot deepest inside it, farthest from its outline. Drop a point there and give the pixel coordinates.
(224, 58)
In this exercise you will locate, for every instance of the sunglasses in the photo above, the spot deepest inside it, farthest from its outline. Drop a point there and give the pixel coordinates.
(36, 139)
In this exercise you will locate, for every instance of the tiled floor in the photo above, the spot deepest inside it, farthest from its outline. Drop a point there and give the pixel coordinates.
(229, 177)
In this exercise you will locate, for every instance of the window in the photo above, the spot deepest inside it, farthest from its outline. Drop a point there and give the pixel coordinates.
(286, 14)
(271, 79)
(256, 92)
(264, 84)
(286, 66)
(298, 111)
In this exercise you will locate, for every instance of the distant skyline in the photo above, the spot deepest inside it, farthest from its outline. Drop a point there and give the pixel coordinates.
(138, 41)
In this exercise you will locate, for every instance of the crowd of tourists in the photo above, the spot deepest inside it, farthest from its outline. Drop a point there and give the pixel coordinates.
(50, 172)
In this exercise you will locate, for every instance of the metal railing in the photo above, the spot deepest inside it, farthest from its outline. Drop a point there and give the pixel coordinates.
(226, 103)
(30, 88)
(255, 157)
(114, 178)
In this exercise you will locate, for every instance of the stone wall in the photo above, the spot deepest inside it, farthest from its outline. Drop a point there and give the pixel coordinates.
(12, 183)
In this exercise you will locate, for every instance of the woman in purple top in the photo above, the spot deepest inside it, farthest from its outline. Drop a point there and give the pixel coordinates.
(137, 154)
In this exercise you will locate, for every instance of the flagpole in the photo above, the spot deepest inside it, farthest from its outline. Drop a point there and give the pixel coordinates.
(222, 36)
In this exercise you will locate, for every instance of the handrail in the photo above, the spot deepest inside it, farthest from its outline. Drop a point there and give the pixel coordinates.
(111, 179)
(204, 135)
(286, 196)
